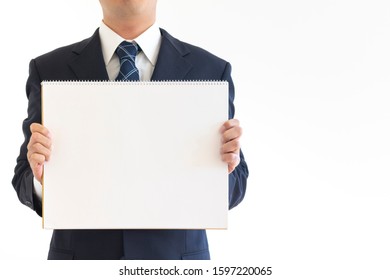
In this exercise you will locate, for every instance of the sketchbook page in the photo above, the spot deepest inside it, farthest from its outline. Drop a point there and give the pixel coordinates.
(135, 155)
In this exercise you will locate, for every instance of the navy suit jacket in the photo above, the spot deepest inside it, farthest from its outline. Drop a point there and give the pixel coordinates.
(84, 61)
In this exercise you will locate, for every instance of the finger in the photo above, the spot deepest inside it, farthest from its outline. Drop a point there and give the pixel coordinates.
(36, 127)
(231, 134)
(231, 158)
(229, 124)
(231, 147)
(37, 159)
(37, 137)
(38, 148)
(37, 172)
(231, 168)
(36, 165)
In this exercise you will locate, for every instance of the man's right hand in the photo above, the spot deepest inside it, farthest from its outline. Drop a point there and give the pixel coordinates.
(39, 149)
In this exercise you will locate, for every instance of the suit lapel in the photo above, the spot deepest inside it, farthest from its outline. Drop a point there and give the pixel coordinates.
(88, 63)
(171, 63)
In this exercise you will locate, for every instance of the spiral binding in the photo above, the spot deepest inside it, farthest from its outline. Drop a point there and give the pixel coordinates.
(141, 83)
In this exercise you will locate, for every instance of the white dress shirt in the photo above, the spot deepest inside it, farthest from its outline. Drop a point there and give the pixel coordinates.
(149, 42)
(145, 61)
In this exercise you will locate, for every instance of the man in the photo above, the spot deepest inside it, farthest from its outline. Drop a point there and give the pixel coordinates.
(159, 56)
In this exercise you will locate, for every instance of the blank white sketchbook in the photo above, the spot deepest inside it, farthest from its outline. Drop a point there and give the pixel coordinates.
(135, 155)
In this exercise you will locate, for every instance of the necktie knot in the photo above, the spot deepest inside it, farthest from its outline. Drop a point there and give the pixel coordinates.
(127, 52)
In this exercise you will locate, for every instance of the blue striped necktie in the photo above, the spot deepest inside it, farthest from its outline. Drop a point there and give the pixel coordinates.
(126, 52)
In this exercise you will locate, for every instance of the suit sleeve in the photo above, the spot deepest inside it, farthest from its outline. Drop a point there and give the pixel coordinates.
(23, 176)
(238, 178)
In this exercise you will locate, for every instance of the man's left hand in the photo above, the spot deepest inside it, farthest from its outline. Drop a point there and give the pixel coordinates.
(231, 132)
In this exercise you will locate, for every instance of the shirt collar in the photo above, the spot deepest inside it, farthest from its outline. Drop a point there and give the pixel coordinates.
(149, 42)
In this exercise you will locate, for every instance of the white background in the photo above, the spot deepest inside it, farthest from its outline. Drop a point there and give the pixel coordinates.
(312, 92)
